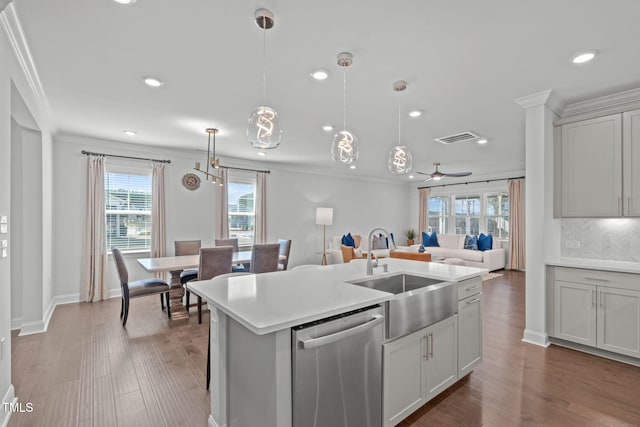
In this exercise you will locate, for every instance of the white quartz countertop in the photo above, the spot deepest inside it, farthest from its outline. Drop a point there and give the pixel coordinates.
(270, 302)
(596, 264)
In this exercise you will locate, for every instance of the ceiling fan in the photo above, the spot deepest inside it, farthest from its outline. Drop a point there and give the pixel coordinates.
(437, 175)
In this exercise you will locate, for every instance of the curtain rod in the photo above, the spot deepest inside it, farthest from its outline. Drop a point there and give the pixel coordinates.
(124, 157)
(243, 169)
(472, 182)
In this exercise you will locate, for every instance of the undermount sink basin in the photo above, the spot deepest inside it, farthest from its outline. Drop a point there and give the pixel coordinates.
(418, 301)
(396, 284)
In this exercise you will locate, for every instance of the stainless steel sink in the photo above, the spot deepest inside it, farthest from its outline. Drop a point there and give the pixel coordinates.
(418, 301)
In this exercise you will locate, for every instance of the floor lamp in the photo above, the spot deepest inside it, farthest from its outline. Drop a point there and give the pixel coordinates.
(324, 217)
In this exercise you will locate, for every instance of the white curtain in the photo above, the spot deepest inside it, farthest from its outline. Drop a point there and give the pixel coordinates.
(94, 255)
(516, 225)
(222, 207)
(423, 225)
(260, 235)
(158, 211)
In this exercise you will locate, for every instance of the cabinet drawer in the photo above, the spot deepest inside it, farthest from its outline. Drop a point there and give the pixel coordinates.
(469, 287)
(598, 277)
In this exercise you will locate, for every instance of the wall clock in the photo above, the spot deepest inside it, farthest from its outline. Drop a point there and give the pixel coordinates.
(191, 181)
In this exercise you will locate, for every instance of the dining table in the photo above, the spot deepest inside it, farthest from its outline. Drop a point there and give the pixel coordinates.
(176, 265)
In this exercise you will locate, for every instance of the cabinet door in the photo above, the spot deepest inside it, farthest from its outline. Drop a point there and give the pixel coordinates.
(631, 153)
(442, 356)
(469, 334)
(619, 320)
(575, 312)
(592, 167)
(402, 377)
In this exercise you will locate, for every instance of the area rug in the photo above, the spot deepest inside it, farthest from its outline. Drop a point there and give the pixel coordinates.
(489, 276)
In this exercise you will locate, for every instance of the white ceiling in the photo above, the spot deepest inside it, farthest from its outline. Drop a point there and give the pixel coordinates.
(465, 63)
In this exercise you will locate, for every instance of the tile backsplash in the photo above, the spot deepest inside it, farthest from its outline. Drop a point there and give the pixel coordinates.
(615, 239)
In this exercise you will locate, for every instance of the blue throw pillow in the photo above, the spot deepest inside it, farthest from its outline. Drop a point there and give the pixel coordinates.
(347, 240)
(471, 242)
(485, 243)
(430, 239)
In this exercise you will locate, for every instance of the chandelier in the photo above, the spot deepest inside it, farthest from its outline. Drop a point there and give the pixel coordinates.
(344, 149)
(400, 159)
(212, 162)
(263, 129)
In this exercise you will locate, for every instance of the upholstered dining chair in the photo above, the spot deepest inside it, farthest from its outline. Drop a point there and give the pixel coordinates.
(283, 254)
(237, 268)
(137, 288)
(264, 257)
(187, 247)
(213, 262)
(209, 343)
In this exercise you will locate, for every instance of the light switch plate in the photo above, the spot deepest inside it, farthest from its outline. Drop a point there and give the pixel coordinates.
(5, 244)
(4, 253)
(3, 229)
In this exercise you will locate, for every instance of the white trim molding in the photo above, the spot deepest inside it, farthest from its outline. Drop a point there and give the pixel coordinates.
(536, 338)
(546, 97)
(9, 397)
(13, 29)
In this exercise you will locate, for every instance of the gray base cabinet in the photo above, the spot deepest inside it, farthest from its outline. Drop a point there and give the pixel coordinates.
(598, 309)
(469, 326)
(417, 367)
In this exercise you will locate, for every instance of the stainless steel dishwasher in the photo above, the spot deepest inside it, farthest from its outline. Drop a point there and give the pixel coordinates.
(337, 370)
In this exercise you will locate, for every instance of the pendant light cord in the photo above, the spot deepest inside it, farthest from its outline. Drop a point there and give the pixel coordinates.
(344, 98)
(399, 127)
(264, 61)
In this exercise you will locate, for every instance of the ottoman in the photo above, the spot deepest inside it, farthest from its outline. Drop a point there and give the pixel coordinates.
(454, 261)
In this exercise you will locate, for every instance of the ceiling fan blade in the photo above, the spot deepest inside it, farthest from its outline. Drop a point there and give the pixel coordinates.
(423, 173)
(428, 179)
(457, 174)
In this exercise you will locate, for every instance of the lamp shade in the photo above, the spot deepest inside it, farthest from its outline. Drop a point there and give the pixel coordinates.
(324, 216)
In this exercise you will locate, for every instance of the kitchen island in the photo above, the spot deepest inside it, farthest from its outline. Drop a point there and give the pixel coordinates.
(251, 321)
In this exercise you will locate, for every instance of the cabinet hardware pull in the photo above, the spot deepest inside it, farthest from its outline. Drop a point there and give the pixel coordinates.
(426, 347)
(596, 278)
(619, 205)
(629, 205)
(600, 298)
(593, 298)
(474, 288)
(431, 346)
(473, 301)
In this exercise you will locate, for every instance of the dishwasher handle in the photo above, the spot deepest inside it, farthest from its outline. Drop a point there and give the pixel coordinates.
(337, 336)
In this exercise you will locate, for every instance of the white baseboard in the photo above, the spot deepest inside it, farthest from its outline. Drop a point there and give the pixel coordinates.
(9, 397)
(537, 338)
(16, 323)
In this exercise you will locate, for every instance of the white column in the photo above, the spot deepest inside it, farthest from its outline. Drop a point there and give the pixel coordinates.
(542, 230)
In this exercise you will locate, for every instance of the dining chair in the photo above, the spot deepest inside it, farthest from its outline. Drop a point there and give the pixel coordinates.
(209, 343)
(213, 262)
(283, 254)
(187, 247)
(264, 257)
(137, 288)
(236, 268)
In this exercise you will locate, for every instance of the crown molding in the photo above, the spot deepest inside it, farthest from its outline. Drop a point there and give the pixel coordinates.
(3, 4)
(13, 29)
(609, 104)
(546, 97)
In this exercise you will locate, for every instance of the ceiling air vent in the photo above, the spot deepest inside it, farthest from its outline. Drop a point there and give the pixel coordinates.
(458, 137)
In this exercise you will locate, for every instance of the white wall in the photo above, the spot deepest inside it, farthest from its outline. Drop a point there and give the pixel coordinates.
(16, 225)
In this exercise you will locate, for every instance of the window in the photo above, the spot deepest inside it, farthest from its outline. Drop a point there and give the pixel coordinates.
(467, 214)
(241, 209)
(128, 211)
(438, 214)
(498, 215)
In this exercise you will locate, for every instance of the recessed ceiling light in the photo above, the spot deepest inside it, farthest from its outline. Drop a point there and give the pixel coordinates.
(583, 57)
(415, 113)
(327, 128)
(153, 82)
(411, 177)
(130, 132)
(262, 153)
(482, 141)
(125, 1)
(319, 74)
(352, 166)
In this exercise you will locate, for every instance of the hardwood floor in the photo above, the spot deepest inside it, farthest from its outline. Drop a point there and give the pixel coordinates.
(89, 371)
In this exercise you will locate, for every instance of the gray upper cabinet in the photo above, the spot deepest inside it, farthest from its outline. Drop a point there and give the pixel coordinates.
(631, 166)
(600, 166)
(591, 176)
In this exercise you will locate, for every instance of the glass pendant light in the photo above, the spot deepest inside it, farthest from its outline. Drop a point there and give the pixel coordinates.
(344, 149)
(400, 159)
(263, 129)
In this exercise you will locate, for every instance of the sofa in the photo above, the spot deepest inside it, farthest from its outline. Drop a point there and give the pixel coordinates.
(452, 246)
